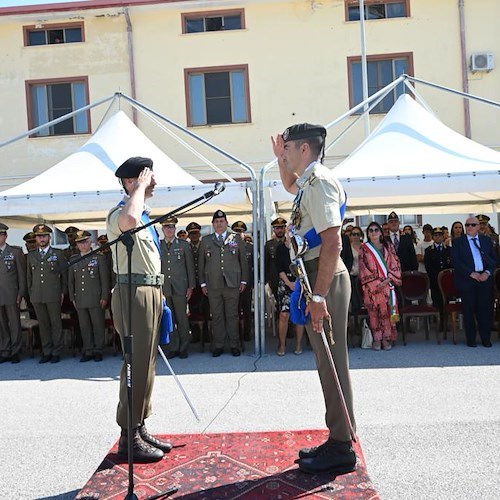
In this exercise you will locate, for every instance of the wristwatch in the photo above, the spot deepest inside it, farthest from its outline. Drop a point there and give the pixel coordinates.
(318, 298)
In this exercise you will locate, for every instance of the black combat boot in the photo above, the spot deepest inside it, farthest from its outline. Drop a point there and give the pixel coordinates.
(335, 457)
(164, 446)
(142, 452)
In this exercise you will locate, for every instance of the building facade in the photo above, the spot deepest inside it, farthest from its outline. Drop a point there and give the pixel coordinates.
(234, 72)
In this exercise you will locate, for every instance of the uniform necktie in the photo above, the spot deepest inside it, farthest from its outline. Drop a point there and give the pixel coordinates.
(169, 244)
(396, 242)
(220, 238)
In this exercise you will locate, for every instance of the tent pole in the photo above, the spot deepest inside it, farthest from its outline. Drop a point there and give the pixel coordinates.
(364, 70)
(56, 121)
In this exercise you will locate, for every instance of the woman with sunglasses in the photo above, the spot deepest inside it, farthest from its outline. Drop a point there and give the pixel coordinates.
(379, 273)
(356, 240)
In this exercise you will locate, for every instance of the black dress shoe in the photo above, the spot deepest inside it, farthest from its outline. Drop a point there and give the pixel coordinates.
(142, 452)
(183, 354)
(164, 446)
(217, 352)
(311, 452)
(55, 359)
(98, 356)
(335, 457)
(235, 351)
(86, 357)
(45, 359)
(14, 359)
(172, 354)
(486, 343)
(471, 344)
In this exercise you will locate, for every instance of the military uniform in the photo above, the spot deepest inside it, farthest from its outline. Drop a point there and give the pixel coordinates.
(88, 285)
(47, 283)
(270, 264)
(223, 267)
(146, 316)
(12, 288)
(72, 249)
(177, 266)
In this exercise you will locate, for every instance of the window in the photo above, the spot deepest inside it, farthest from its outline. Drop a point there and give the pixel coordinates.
(199, 22)
(381, 70)
(54, 34)
(217, 95)
(378, 9)
(48, 100)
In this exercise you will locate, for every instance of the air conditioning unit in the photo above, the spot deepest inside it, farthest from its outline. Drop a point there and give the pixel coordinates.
(482, 61)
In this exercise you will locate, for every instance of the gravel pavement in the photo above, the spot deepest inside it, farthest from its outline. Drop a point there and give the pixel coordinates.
(428, 416)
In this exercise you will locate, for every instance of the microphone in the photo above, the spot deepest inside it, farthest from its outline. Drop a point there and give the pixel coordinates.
(219, 187)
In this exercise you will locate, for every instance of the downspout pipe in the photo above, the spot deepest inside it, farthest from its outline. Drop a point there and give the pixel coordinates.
(465, 79)
(131, 65)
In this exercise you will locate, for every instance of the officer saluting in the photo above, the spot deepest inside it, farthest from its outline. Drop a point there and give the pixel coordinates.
(88, 289)
(317, 216)
(12, 289)
(47, 284)
(177, 267)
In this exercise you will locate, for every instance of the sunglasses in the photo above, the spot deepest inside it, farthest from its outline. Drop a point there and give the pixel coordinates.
(373, 230)
(471, 224)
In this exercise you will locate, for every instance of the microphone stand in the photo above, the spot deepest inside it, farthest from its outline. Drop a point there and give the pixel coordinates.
(128, 241)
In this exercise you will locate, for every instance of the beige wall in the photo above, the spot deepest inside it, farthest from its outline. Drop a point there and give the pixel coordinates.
(296, 52)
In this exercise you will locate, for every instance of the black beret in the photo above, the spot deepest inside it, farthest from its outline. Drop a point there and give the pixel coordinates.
(131, 168)
(302, 131)
(193, 227)
(218, 214)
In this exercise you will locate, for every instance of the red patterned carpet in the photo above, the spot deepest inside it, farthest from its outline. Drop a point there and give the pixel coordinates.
(246, 465)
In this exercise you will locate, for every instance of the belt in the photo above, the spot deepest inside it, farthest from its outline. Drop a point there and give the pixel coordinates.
(140, 279)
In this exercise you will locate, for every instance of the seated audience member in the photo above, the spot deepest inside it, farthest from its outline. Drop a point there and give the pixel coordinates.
(379, 273)
(437, 257)
(474, 260)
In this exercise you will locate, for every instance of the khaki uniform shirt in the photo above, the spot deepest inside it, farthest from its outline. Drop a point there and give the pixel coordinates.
(320, 202)
(145, 255)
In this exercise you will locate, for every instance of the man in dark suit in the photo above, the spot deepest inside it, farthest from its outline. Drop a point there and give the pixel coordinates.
(474, 261)
(12, 289)
(436, 258)
(223, 271)
(403, 244)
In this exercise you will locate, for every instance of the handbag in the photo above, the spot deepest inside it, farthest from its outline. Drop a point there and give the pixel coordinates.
(366, 336)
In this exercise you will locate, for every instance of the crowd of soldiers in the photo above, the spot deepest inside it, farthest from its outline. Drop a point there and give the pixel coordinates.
(209, 279)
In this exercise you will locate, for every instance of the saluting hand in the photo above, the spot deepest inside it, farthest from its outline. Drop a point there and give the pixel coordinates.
(278, 146)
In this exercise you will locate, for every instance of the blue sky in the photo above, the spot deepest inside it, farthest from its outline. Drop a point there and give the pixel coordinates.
(18, 3)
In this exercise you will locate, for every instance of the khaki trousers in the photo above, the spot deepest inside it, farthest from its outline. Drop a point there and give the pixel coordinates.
(146, 316)
(338, 305)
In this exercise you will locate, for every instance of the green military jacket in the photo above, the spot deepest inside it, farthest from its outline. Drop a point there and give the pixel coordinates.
(12, 275)
(47, 276)
(177, 266)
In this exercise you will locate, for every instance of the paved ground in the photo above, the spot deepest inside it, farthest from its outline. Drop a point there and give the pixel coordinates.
(428, 416)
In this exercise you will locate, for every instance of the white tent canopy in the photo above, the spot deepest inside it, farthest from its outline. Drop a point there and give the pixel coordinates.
(82, 187)
(414, 163)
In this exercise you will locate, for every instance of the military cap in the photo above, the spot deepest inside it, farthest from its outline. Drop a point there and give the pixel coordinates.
(437, 230)
(303, 131)
(218, 214)
(71, 230)
(392, 216)
(41, 229)
(482, 218)
(132, 167)
(181, 233)
(3, 228)
(193, 227)
(171, 220)
(103, 238)
(278, 222)
(29, 236)
(239, 226)
(82, 235)
(426, 227)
